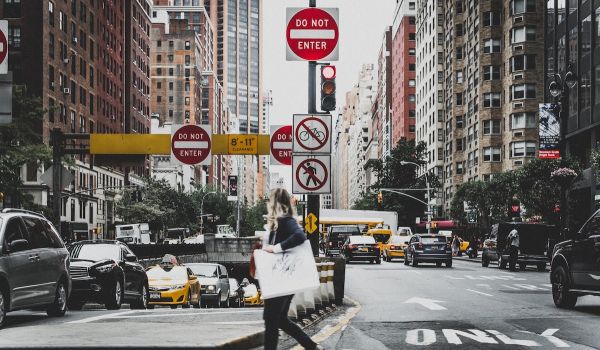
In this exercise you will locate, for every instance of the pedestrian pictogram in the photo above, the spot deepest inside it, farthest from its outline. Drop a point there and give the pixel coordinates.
(312, 133)
(281, 145)
(311, 174)
(190, 144)
(311, 223)
(312, 34)
(3, 47)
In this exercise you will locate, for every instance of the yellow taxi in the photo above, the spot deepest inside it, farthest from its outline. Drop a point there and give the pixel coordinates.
(394, 248)
(173, 285)
(251, 294)
(381, 235)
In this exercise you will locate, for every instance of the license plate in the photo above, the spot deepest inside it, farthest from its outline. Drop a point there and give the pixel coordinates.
(364, 249)
(155, 295)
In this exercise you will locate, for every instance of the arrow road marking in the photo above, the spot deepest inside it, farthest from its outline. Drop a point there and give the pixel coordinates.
(431, 304)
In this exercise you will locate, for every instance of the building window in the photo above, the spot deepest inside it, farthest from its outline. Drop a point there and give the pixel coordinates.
(171, 72)
(411, 83)
(411, 5)
(458, 30)
(522, 6)
(187, 101)
(412, 67)
(62, 21)
(491, 46)
(491, 19)
(459, 52)
(491, 73)
(411, 128)
(51, 108)
(51, 13)
(51, 78)
(523, 149)
(459, 121)
(460, 168)
(491, 154)
(523, 91)
(158, 98)
(459, 99)
(521, 34)
(158, 58)
(412, 51)
(491, 127)
(522, 62)
(412, 20)
(491, 100)
(158, 71)
(523, 121)
(459, 77)
(412, 114)
(14, 37)
(411, 98)
(411, 36)
(170, 99)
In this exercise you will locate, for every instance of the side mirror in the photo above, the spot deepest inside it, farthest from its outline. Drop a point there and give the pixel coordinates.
(18, 245)
(224, 276)
(130, 258)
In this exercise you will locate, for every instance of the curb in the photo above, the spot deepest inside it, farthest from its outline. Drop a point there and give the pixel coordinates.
(250, 341)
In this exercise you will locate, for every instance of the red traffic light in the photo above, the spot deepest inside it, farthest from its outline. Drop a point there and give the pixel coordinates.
(328, 72)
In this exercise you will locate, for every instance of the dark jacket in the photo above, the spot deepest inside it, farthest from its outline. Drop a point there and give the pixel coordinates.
(288, 233)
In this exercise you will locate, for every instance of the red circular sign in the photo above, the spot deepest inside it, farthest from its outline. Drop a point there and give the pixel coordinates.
(316, 173)
(312, 34)
(190, 144)
(3, 47)
(312, 134)
(281, 145)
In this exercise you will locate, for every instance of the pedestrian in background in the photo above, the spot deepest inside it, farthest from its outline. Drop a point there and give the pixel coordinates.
(284, 234)
(513, 248)
(455, 245)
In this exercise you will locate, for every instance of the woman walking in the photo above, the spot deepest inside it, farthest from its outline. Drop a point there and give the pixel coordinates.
(455, 245)
(285, 233)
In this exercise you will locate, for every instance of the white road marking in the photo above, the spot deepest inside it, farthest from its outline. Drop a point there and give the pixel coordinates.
(549, 335)
(530, 287)
(484, 285)
(431, 304)
(478, 292)
(238, 322)
(189, 313)
(509, 341)
(413, 337)
(103, 317)
(452, 336)
(597, 278)
(509, 287)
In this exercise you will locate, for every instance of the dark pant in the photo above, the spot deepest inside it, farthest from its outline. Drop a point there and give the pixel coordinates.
(512, 260)
(276, 317)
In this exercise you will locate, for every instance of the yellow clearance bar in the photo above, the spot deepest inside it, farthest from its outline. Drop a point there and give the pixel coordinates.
(160, 144)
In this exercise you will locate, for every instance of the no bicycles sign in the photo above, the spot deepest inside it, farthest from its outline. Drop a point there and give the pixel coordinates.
(312, 133)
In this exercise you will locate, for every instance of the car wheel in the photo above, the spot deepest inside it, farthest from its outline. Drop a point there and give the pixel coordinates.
(75, 304)
(187, 303)
(561, 286)
(226, 304)
(438, 264)
(501, 263)
(59, 306)
(3, 308)
(114, 296)
(485, 262)
(142, 301)
(217, 303)
(173, 307)
(449, 263)
(541, 267)
(150, 307)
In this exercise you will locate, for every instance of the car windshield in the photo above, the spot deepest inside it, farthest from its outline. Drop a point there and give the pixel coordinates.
(362, 240)
(96, 252)
(433, 240)
(381, 237)
(204, 270)
(175, 273)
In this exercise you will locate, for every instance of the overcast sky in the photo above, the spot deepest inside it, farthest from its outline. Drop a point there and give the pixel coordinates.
(361, 27)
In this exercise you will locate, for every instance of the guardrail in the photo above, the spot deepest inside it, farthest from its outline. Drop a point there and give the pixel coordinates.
(317, 301)
(149, 251)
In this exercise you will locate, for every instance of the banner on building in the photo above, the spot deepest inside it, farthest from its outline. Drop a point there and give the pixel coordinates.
(549, 131)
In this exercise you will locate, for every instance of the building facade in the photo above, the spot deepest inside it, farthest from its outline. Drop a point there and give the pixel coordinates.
(404, 72)
(384, 94)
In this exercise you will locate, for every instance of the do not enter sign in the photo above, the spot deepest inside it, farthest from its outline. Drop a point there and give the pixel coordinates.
(312, 34)
(3, 47)
(190, 144)
(281, 145)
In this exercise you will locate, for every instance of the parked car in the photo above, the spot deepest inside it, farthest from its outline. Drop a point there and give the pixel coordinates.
(34, 264)
(236, 293)
(107, 272)
(428, 248)
(363, 248)
(536, 244)
(394, 248)
(215, 283)
(575, 266)
(173, 285)
(336, 235)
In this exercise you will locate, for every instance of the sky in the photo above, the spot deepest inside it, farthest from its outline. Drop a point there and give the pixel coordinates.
(362, 24)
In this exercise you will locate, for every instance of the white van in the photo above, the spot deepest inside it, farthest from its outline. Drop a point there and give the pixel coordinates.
(133, 233)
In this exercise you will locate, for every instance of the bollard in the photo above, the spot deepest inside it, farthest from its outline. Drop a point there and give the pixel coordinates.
(330, 290)
(299, 302)
(323, 287)
(292, 312)
(309, 302)
(317, 291)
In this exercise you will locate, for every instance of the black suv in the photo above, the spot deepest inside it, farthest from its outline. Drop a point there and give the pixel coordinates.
(106, 272)
(336, 236)
(34, 264)
(575, 268)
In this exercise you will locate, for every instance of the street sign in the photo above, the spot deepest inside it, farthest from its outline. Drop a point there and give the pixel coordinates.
(312, 34)
(281, 145)
(190, 144)
(472, 217)
(311, 223)
(311, 174)
(65, 179)
(312, 133)
(3, 47)
(243, 144)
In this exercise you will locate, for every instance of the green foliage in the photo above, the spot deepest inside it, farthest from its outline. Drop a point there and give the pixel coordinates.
(595, 159)
(252, 219)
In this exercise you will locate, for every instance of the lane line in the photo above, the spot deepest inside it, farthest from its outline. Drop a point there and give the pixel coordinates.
(102, 317)
(510, 287)
(478, 292)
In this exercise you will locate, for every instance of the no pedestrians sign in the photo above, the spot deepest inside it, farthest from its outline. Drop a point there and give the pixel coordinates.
(190, 144)
(311, 174)
(312, 34)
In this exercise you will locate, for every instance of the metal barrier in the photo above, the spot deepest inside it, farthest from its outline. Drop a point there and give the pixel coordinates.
(149, 251)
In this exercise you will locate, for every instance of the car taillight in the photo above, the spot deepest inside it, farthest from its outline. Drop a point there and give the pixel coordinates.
(352, 246)
(392, 247)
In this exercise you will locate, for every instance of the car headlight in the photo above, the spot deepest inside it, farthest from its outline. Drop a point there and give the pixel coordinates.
(104, 268)
(210, 288)
(179, 286)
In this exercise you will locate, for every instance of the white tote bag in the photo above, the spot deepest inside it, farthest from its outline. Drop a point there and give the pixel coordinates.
(293, 271)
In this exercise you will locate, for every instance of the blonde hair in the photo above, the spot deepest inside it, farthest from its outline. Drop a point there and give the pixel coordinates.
(280, 205)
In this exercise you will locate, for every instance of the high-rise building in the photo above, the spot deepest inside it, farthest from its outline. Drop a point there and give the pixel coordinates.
(384, 95)
(493, 63)
(403, 113)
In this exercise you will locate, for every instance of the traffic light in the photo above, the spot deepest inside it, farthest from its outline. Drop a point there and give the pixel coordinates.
(380, 198)
(233, 183)
(515, 207)
(328, 74)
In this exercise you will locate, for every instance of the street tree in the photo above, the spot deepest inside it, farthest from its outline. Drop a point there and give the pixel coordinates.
(216, 207)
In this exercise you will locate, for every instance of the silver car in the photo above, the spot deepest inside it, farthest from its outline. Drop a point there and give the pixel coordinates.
(34, 264)
(214, 283)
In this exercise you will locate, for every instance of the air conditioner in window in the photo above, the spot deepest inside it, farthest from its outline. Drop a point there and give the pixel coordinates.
(65, 60)
(518, 134)
(518, 76)
(113, 117)
(518, 105)
(52, 84)
(518, 162)
(66, 91)
(518, 19)
(518, 48)
(74, 40)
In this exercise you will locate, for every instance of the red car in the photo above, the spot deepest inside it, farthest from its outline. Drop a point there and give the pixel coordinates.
(362, 248)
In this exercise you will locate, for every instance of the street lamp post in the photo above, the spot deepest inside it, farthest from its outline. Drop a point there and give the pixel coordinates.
(428, 195)
(202, 211)
(558, 88)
